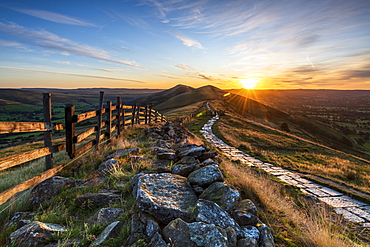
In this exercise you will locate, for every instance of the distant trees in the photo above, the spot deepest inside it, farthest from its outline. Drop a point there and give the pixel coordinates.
(284, 127)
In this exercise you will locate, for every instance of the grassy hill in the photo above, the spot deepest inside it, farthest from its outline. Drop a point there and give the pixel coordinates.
(191, 97)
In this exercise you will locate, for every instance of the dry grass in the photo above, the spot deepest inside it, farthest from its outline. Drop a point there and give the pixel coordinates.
(294, 153)
(294, 221)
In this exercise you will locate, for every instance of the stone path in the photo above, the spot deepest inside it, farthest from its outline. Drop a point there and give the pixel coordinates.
(352, 210)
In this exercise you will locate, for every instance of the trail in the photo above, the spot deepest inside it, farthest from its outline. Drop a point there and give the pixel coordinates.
(351, 209)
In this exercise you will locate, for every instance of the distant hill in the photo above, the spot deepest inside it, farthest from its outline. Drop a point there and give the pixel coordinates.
(196, 95)
(159, 97)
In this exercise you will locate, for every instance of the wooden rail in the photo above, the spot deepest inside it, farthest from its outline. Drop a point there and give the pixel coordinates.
(114, 119)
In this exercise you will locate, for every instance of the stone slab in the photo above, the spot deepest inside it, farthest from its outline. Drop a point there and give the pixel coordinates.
(349, 216)
(317, 192)
(338, 202)
(359, 212)
(331, 192)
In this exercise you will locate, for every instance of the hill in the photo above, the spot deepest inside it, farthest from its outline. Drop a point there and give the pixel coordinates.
(196, 95)
(159, 97)
(299, 125)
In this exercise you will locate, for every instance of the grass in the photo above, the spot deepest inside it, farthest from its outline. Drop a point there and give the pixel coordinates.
(63, 210)
(293, 153)
(294, 221)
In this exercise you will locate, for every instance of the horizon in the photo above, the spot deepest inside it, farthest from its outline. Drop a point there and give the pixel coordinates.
(155, 44)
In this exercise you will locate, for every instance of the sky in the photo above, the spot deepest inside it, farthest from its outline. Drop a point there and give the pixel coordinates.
(277, 44)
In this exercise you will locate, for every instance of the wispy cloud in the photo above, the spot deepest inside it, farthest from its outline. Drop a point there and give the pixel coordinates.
(188, 41)
(168, 76)
(48, 40)
(55, 17)
(111, 70)
(190, 71)
(71, 74)
(14, 44)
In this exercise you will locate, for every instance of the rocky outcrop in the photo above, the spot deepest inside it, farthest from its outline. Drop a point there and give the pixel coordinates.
(104, 216)
(206, 176)
(35, 234)
(165, 196)
(46, 190)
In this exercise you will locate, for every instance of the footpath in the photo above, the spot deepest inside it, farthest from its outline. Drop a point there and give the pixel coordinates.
(351, 209)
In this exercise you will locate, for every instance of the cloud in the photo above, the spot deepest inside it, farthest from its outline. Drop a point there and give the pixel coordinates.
(13, 44)
(188, 41)
(51, 41)
(54, 17)
(71, 74)
(111, 70)
(196, 73)
(168, 76)
(184, 67)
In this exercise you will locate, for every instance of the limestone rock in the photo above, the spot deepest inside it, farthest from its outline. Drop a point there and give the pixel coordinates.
(20, 219)
(157, 241)
(207, 155)
(165, 196)
(34, 234)
(191, 150)
(211, 213)
(144, 224)
(266, 238)
(177, 234)
(111, 231)
(100, 199)
(183, 169)
(245, 213)
(166, 156)
(249, 232)
(187, 160)
(181, 234)
(209, 162)
(109, 166)
(247, 242)
(121, 153)
(225, 196)
(104, 216)
(46, 190)
(206, 176)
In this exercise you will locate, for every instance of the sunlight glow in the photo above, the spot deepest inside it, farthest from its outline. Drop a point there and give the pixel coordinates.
(249, 83)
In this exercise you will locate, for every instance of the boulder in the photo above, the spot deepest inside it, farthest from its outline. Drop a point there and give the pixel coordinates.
(266, 238)
(187, 160)
(209, 162)
(166, 156)
(109, 166)
(165, 196)
(211, 213)
(191, 150)
(183, 169)
(158, 150)
(121, 153)
(157, 241)
(225, 196)
(34, 234)
(20, 219)
(100, 199)
(206, 176)
(207, 155)
(247, 242)
(182, 234)
(111, 231)
(145, 225)
(104, 216)
(245, 213)
(249, 232)
(46, 190)
(163, 144)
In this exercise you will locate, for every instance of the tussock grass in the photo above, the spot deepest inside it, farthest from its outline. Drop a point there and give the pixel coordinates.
(293, 153)
(294, 221)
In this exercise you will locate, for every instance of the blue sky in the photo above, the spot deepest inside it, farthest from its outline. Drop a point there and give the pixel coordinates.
(158, 44)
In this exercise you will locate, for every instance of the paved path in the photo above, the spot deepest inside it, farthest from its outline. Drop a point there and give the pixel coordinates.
(352, 210)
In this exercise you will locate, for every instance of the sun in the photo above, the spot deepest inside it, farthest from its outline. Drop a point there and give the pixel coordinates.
(249, 83)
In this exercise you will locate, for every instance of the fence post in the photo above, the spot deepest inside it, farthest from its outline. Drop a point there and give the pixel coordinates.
(119, 116)
(146, 114)
(100, 119)
(123, 118)
(162, 119)
(150, 114)
(70, 130)
(137, 114)
(109, 117)
(49, 126)
(133, 115)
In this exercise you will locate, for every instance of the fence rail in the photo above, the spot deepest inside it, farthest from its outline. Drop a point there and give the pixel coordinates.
(117, 118)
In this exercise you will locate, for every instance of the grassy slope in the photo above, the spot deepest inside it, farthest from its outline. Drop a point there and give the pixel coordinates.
(293, 153)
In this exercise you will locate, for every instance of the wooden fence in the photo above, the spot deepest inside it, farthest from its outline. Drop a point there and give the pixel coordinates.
(117, 118)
